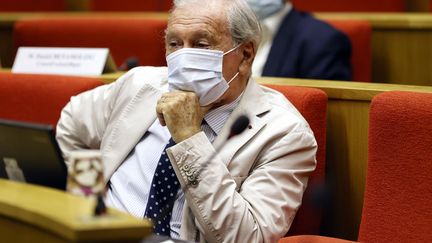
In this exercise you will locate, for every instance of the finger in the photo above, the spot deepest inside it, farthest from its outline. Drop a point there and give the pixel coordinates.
(205, 109)
(159, 113)
(161, 119)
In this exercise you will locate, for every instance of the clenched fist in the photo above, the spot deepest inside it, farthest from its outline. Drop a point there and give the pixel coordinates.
(181, 112)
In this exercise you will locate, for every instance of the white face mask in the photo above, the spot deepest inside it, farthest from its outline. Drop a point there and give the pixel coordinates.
(265, 8)
(199, 71)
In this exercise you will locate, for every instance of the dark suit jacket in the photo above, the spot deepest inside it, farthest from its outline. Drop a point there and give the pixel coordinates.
(305, 47)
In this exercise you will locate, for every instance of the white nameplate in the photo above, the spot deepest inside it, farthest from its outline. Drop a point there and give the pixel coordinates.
(64, 61)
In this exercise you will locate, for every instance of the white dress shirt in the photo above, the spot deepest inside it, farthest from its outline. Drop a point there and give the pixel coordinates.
(130, 184)
(269, 26)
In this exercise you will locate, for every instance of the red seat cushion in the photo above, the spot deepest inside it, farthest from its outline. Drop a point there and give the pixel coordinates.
(360, 34)
(125, 37)
(350, 6)
(398, 193)
(39, 98)
(311, 239)
(312, 104)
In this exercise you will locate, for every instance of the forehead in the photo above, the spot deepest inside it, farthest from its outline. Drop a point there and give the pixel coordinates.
(207, 22)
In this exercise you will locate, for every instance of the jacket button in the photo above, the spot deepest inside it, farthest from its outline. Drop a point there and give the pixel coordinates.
(189, 173)
(186, 168)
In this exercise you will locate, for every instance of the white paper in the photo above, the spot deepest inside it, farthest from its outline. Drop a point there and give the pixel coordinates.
(64, 61)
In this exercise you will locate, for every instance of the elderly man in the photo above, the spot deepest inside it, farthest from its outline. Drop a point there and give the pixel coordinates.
(247, 192)
(297, 45)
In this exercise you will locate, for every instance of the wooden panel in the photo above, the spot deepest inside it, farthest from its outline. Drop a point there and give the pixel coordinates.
(13, 231)
(346, 165)
(386, 20)
(77, 5)
(417, 5)
(57, 217)
(402, 56)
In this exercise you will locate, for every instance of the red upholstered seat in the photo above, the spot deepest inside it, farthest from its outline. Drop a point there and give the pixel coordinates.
(39, 98)
(350, 6)
(125, 37)
(360, 34)
(312, 104)
(311, 239)
(32, 5)
(398, 195)
(130, 5)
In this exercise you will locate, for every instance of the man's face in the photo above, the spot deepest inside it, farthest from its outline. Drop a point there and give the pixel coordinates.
(206, 28)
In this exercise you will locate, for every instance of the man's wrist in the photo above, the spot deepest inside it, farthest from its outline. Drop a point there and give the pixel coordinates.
(185, 134)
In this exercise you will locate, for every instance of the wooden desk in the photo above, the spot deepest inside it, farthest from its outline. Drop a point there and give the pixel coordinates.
(106, 77)
(31, 213)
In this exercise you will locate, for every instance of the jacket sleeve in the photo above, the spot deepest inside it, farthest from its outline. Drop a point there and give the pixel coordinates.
(258, 208)
(84, 119)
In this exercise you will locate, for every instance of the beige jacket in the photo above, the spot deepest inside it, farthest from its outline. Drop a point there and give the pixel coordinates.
(250, 192)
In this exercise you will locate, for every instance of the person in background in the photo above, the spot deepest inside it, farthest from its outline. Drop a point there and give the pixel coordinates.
(297, 45)
(160, 131)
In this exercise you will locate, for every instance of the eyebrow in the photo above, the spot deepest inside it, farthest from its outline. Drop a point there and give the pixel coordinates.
(197, 34)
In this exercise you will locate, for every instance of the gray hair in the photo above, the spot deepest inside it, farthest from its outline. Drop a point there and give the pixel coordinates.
(243, 24)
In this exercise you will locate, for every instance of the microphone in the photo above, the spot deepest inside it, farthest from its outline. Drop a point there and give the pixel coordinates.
(129, 63)
(239, 125)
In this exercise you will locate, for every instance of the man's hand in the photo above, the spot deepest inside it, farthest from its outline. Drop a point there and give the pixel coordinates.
(181, 112)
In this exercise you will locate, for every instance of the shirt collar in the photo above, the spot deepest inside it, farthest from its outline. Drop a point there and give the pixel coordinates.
(273, 22)
(217, 117)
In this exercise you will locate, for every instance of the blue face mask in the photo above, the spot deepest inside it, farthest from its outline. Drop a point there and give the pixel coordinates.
(265, 8)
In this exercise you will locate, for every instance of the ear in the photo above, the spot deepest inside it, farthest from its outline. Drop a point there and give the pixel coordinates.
(248, 51)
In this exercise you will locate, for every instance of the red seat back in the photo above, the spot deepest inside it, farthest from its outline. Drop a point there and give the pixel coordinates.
(312, 104)
(398, 193)
(350, 6)
(125, 37)
(39, 98)
(130, 5)
(360, 34)
(312, 239)
(32, 5)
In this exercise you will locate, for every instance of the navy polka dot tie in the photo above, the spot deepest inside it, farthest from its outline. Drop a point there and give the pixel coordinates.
(163, 189)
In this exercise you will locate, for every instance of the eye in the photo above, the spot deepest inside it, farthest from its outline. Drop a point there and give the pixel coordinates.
(202, 45)
(173, 44)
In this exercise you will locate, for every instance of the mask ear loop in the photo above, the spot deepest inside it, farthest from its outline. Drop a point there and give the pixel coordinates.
(228, 52)
(235, 76)
(232, 49)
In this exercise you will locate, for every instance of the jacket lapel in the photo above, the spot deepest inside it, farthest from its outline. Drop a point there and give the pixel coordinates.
(252, 104)
(134, 121)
